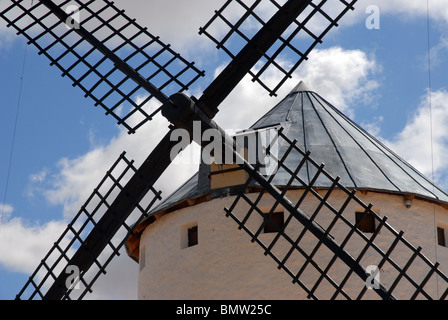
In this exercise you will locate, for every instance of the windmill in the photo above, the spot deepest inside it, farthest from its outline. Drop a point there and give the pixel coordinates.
(110, 58)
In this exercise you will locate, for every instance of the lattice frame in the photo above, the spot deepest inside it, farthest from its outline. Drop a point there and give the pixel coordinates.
(58, 257)
(306, 235)
(109, 56)
(290, 50)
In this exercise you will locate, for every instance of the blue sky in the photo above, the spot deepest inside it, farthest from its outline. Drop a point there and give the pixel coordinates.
(63, 145)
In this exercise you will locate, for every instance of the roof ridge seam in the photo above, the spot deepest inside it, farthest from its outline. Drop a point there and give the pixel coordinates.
(332, 141)
(357, 143)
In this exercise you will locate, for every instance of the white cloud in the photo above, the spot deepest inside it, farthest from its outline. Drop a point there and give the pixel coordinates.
(69, 188)
(39, 177)
(119, 283)
(438, 9)
(185, 17)
(5, 213)
(176, 22)
(341, 80)
(374, 126)
(23, 245)
(6, 209)
(414, 141)
(439, 52)
(343, 77)
(401, 9)
(77, 177)
(6, 38)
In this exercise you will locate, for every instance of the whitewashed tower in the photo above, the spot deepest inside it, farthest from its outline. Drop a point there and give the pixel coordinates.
(313, 222)
(188, 249)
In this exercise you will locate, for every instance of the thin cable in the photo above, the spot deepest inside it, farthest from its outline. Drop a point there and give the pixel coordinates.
(16, 121)
(430, 91)
(11, 152)
(431, 133)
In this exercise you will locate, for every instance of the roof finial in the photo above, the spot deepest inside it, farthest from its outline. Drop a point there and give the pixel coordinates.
(301, 87)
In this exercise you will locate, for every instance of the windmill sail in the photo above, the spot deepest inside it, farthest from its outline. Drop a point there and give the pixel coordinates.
(111, 58)
(91, 240)
(290, 49)
(325, 252)
(105, 53)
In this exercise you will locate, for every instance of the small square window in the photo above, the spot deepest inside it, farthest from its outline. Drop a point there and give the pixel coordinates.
(365, 221)
(189, 235)
(142, 258)
(275, 221)
(192, 236)
(441, 236)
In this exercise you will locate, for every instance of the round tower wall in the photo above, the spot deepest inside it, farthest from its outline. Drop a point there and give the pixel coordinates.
(221, 262)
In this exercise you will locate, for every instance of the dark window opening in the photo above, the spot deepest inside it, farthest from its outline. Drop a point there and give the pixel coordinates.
(365, 221)
(275, 221)
(192, 236)
(441, 236)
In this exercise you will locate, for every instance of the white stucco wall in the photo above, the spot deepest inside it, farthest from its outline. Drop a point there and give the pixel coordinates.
(227, 265)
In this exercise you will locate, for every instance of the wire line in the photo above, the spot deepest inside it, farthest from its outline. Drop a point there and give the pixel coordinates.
(428, 27)
(11, 152)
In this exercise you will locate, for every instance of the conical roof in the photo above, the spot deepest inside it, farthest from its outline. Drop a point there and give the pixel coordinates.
(348, 151)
